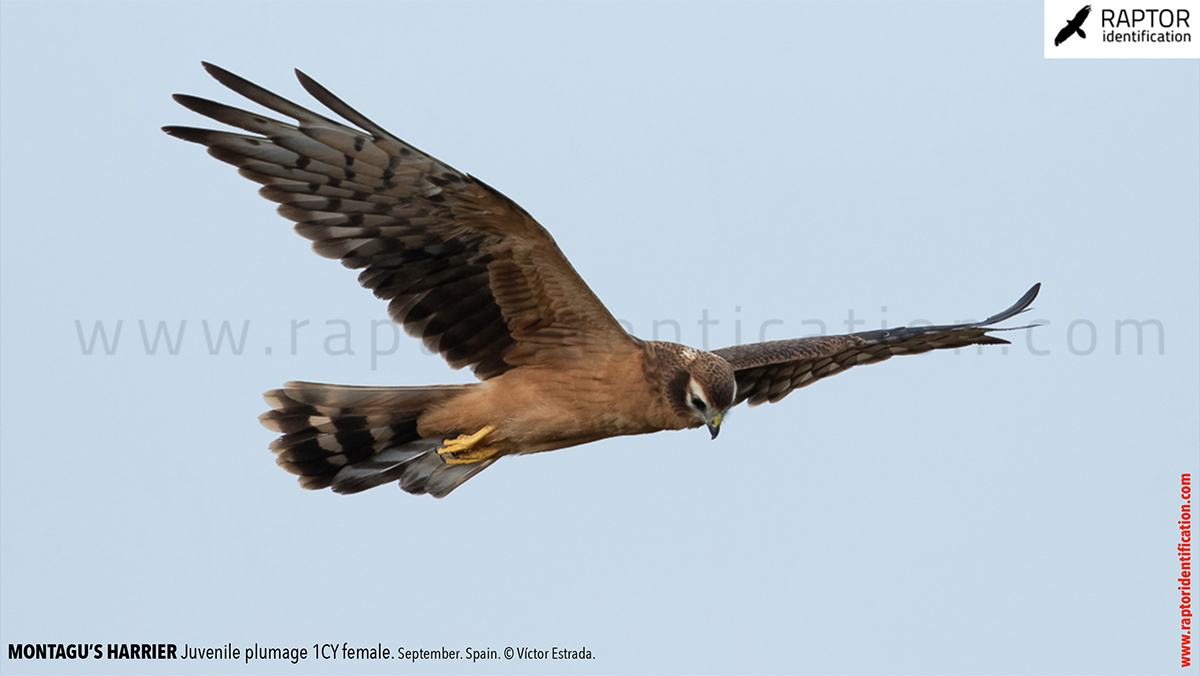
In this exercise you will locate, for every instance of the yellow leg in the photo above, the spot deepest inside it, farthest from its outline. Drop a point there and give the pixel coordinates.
(462, 451)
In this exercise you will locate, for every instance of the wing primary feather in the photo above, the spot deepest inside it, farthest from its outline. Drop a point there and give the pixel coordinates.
(332, 102)
(269, 99)
(235, 117)
(1017, 308)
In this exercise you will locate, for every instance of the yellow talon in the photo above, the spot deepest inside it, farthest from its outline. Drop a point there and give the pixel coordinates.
(463, 448)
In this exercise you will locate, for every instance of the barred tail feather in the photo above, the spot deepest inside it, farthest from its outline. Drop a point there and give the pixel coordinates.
(352, 438)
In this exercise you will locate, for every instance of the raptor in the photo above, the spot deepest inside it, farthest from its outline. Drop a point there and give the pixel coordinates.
(475, 277)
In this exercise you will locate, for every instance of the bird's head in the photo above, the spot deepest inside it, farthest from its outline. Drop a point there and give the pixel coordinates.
(710, 389)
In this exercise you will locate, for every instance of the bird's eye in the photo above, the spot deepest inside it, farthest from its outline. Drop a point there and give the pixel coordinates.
(698, 403)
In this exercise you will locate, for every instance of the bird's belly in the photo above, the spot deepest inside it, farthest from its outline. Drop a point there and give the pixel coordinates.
(535, 411)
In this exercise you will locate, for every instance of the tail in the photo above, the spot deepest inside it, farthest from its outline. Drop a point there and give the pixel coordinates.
(354, 438)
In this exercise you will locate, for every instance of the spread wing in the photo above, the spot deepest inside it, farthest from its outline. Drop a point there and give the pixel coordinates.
(768, 372)
(1081, 15)
(465, 268)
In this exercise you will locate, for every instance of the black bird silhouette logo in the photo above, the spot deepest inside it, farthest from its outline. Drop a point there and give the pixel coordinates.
(1073, 26)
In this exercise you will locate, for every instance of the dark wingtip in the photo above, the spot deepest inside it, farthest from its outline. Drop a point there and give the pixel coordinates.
(1029, 297)
(317, 90)
(310, 85)
(235, 82)
(1017, 308)
(177, 131)
(192, 103)
(187, 133)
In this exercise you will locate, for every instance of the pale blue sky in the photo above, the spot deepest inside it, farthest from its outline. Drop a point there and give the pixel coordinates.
(777, 165)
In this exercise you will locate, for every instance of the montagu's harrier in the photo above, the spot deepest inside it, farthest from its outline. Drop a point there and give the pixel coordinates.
(481, 283)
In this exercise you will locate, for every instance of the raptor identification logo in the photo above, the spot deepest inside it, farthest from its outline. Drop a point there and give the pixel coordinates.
(1122, 29)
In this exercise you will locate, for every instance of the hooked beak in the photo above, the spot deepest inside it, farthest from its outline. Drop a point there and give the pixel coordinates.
(714, 427)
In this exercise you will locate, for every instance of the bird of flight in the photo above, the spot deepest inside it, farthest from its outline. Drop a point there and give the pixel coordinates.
(1074, 26)
(469, 272)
